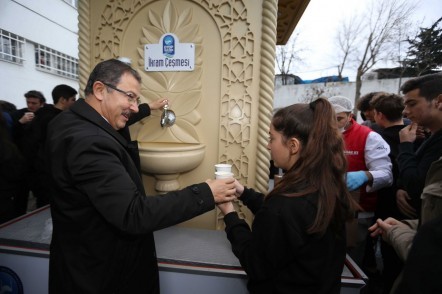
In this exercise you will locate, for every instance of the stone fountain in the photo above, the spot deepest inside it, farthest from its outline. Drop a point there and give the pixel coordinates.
(166, 161)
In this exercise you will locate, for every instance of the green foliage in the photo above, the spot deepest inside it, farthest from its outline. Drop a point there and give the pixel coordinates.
(425, 50)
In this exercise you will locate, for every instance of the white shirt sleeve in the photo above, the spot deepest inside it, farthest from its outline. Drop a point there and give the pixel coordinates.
(378, 162)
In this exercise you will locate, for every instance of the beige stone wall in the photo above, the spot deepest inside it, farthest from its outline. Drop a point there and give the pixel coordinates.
(225, 103)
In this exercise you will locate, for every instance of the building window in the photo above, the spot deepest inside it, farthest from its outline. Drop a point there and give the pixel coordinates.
(11, 47)
(56, 62)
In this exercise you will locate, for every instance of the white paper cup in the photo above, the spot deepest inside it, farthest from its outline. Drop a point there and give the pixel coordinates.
(223, 175)
(223, 167)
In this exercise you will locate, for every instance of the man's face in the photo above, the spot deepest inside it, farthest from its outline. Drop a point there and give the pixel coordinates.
(70, 101)
(343, 118)
(377, 117)
(418, 109)
(33, 104)
(116, 107)
(369, 115)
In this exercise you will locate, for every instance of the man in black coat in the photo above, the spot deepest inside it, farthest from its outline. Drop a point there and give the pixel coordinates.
(35, 136)
(423, 97)
(21, 120)
(103, 222)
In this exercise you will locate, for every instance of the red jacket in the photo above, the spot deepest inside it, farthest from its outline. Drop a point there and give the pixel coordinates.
(355, 139)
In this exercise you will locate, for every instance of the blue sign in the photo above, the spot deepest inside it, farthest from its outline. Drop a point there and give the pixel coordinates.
(169, 55)
(10, 282)
(169, 46)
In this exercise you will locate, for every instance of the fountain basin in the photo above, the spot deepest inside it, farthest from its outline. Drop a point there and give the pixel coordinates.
(165, 161)
(170, 158)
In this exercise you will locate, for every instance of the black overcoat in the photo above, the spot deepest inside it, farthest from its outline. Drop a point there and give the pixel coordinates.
(103, 222)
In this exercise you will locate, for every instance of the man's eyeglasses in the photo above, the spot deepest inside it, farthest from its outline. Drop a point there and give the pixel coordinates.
(130, 96)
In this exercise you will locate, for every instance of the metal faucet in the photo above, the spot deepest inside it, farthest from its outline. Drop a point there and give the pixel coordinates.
(168, 117)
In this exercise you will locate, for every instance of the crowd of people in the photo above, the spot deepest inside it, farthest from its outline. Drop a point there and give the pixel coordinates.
(23, 133)
(392, 173)
(347, 188)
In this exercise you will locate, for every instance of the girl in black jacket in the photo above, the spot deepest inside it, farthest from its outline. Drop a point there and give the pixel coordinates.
(297, 240)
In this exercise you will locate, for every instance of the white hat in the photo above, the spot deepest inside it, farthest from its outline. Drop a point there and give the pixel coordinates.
(341, 104)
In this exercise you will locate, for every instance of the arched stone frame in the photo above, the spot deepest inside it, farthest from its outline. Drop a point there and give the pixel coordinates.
(235, 111)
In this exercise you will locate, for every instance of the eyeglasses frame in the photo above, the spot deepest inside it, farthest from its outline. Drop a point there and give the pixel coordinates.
(128, 94)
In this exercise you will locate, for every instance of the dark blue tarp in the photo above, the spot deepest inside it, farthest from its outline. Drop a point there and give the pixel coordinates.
(328, 79)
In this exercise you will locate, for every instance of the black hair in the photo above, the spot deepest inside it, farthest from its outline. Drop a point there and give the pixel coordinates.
(36, 94)
(62, 91)
(109, 71)
(430, 86)
(390, 104)
(363, 103)
(8, 106)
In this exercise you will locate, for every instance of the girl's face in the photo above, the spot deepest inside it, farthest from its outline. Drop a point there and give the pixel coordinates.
(284, 153)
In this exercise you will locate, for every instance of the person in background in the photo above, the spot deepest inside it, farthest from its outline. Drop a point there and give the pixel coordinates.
(34, 101)
(366, 110)
(12, 168)
(297, 240)
(387, 113)
(422, 269)
(8, 109)
(63, 97)
(8, 106)
(387, 110)
(417, 242)
(103, 221)
(423, 105)
(21, 120)
(422, 96)
(369, 169)
(401, 233)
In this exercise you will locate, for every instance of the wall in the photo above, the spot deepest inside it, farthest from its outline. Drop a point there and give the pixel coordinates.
(290, 94)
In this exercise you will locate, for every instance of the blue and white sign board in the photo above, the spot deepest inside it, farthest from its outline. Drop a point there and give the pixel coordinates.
(169, 55)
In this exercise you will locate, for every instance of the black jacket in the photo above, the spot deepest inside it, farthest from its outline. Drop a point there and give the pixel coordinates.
(413, 166)
(143, 112)
(278, 254)
(18, 129)
(12, 177)
(103, 222)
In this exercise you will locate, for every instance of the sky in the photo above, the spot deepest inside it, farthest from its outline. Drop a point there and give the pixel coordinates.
(321, 20)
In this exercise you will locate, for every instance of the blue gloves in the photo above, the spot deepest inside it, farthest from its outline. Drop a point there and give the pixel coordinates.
(356, 179)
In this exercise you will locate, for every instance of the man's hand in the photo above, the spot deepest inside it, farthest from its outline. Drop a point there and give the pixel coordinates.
(356, 179)
(223, 190)
(26, 118)
(408, 133)
(404, 206)
(421, 133)
(158, 103)
(383, 227)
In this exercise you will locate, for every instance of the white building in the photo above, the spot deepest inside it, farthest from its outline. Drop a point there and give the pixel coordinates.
(38, 47)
